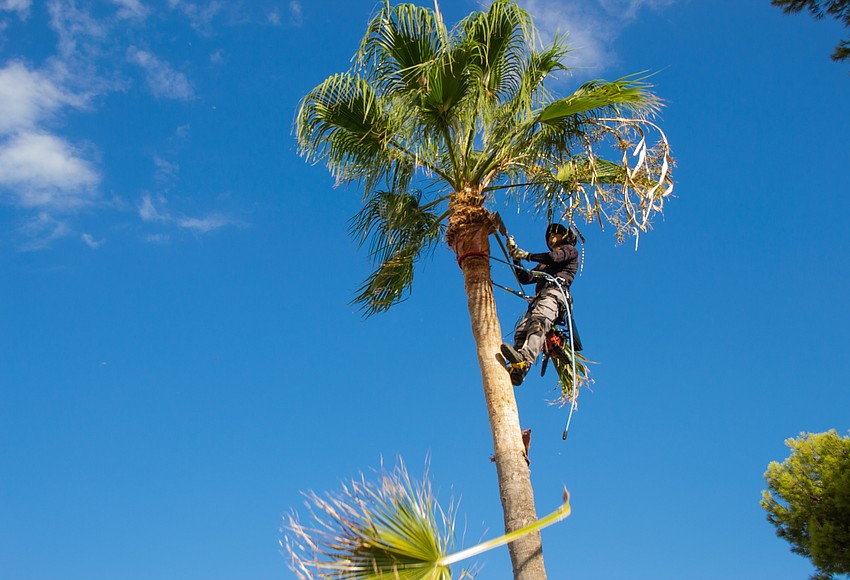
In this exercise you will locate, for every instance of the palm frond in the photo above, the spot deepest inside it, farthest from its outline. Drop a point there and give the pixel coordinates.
(569, 385)
(343, 122)
(530, 89)
(391, 530)
(448, 85)
(399, 230)
(400, 43)
(498, 45)
(601, 98)
(565, 173)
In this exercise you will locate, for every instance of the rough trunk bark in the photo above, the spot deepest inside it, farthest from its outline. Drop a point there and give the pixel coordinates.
(470, 242)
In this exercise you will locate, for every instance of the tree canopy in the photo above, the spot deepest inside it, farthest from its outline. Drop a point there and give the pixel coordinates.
(808, 500)
(433, 121)
(839, 9)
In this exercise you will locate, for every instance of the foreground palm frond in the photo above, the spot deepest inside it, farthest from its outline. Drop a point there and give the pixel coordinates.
(390, 530)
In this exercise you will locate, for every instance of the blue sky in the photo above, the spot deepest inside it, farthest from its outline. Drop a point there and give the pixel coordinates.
(179, 359)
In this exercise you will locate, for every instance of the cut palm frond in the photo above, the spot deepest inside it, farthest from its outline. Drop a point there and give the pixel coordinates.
(390, 530)
(567, 383)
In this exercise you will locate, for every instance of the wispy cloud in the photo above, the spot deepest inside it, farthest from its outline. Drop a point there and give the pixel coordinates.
(273, 17)
(295, 13)
(590, 26)
(28, 97)
(154, 210)
(149, 212)
(131, 9)
(49, 174)
(37, 168)
(89, 240)
(41, 230)
(22, 7)
(205, 224)
(200, 15)
(41, 170)
(76, 28)
(628, 9)
(159, 239)
(163, 81)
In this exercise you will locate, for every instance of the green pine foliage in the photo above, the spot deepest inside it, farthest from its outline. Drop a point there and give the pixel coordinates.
(839, 9)
(808, 500)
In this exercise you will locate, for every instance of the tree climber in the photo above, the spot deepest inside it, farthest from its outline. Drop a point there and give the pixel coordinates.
(548, 306)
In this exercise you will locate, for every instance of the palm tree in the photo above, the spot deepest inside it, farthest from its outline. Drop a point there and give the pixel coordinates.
(436, 125)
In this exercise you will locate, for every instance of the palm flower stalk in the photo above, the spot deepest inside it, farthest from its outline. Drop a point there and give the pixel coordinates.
(390, 530)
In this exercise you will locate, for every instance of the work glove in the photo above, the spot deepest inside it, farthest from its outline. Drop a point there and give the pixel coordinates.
(515, 252)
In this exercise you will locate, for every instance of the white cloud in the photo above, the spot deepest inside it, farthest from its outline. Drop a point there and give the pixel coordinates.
(41, 230)
(89, 240)
(73, 25)
(42, 170)
(149, 213)
(162, 80)
(131, 9)
(28, 97)
(160, 239)
(151, 210)
(166, 171)
(587, 34)
(205, 224)
(22, 7)
(295, 13)
(200, 15)
(628, 9)
(591, 27)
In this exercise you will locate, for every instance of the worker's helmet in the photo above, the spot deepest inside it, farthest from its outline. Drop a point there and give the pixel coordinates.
(556, 228)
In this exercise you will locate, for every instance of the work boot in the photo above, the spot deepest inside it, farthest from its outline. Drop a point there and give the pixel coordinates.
(518, 372)
(519, 363)
(513, 355)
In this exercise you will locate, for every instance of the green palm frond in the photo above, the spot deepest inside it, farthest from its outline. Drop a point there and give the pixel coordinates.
(400, 42)
(399, 230)
(530, 89)
(498, 45)
(569, 384)
(588, 170)
(595, 98)
(343, 121)
(447, 86)
(391, 530)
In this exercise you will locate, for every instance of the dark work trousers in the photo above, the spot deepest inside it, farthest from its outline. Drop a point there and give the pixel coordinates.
(547, 307)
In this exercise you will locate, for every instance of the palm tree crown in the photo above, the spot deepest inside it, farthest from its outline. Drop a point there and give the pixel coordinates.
(434, 122)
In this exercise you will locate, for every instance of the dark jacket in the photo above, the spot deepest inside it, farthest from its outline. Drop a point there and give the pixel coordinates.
(561, 262)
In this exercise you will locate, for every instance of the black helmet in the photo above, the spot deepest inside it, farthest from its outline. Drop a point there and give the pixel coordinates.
(556, 228)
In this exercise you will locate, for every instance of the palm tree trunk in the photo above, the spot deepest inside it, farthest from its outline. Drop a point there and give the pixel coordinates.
(471, 244)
